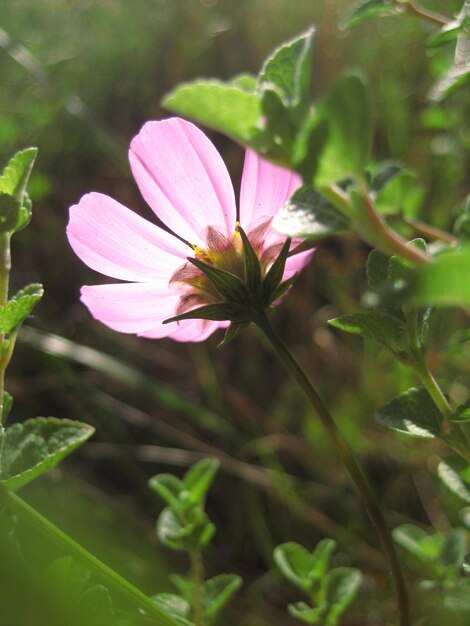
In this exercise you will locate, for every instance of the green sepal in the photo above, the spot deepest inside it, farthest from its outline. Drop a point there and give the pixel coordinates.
(16, 174)
(225, 107)
(301, 567)
(289, 69)
(16, 310)
(380, 326)
(309, 214)
(229, 286)
(232, 332)
(273, 278)
(33, 447)
(182, 535)
(454, 472)
(176, 606)
(412, 413)
(252, 265)
(369, 9)
(216, 312)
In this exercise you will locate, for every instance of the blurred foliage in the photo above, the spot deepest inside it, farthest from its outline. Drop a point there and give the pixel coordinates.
(78, 79)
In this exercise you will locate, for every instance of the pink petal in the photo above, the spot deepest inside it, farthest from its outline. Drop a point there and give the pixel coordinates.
(296, 263)
(130, 307)
(186, 330)
(183, 178)
(117, 242)
(265, 188)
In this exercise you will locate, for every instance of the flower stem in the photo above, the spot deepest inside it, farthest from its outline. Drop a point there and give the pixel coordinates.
(105, 573)
(368, 497)
(5, 267)
(198, 578)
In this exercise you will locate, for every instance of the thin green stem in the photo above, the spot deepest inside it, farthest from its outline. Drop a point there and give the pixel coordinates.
(377, 232)
(100, 569)
(451, 433)
(5, 267)
(436, 18)
(197, 571)
(368, 497)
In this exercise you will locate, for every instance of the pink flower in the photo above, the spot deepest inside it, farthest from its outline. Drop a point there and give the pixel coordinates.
(184, 180)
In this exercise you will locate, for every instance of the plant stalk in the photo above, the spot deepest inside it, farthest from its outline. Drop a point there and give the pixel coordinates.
(100, 569)
(5, 267)
(436, 18)
(365, 492)
(198, 578)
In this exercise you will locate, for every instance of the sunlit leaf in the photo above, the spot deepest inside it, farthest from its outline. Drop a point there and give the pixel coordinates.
(368, 9)
(16, 310)
(309, 214)
(216, 592)
(225, 107)
(15, 176)
(450, 472)
(416, 541)
(343, 584)
(380, 326)
(412, 413)
(35, 446)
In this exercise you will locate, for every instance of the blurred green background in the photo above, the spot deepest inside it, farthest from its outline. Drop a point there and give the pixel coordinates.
(78, 78)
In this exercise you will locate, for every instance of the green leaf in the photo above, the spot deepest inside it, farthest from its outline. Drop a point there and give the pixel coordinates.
(368, 9)
(454, 548)
(184, 536)
(462, 223)
(461, 415)
(15, 176)
(289, 68)
(346, 109)
(343, 583)
(227, 108)
(401, 194)
(7, 405)
(176, 606)
(380, 326)
(450, 472)
(217, 591)
(412, 413)
(309, 214)
(199, 478)
(169, 488)
(306, 613)
(16, 310)
(444, 282)
(377, 269)
(35, 446)
(455, 78)
(301, 567)
(9, 212)
(95, 607)
(416, 541)
(67, 577)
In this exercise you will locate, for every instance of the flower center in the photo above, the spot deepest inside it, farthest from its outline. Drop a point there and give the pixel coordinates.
(225, 254)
